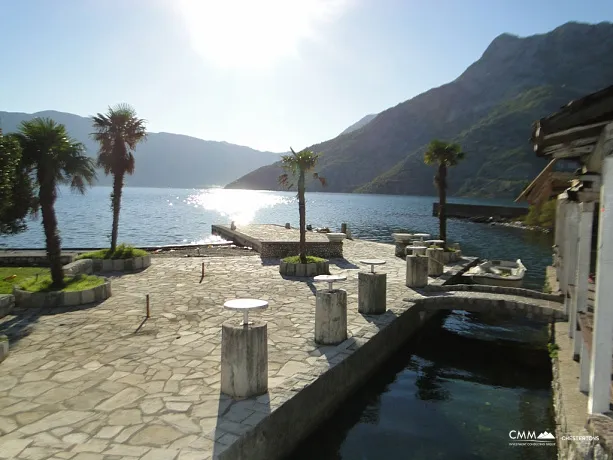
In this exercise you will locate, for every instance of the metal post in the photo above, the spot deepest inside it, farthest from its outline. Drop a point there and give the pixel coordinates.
(148, 313)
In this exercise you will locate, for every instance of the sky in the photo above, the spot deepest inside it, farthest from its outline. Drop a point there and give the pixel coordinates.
(268, 74)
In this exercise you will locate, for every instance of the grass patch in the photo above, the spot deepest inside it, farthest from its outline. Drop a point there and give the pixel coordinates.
(72, 283)
(553, 350)
(10, 276)
(296, 260)
(122, 251)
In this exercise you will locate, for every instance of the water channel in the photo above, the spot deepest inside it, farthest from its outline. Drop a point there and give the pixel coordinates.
(454, 391)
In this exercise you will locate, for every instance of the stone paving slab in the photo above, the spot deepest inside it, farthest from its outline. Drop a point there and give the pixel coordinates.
(82, 384)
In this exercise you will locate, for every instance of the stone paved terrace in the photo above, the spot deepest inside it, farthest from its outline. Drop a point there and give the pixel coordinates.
(81, 384)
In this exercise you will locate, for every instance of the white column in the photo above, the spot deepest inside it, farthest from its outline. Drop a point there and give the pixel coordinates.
(584, 361)
(584, 250)
(570, 263)
(602, 345)
(561, 240)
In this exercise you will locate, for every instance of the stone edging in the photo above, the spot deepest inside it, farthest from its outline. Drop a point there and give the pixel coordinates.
(121, 265)
(7, 302)
(304, 270)
(496, 290)
(25, 299)
(4, 347)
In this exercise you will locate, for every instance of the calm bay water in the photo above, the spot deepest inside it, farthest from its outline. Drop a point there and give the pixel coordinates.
(151, 216)
(454, 392)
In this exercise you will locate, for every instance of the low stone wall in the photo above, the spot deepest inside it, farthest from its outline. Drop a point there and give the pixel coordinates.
(325, 250)
(466, 211)
(4, 347)
(121, 265)
(304, 270)
(7, 302)
(25, 260)
(25, 299)
(496, 290)
(315, 397)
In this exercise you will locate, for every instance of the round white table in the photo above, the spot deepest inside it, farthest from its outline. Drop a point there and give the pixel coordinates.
(330, 279)
(245, 305)
(418, 249)
(435, 242)
(421, 236)
(372, 263)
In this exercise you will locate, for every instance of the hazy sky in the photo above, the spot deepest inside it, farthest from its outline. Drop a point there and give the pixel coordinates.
(262, 73)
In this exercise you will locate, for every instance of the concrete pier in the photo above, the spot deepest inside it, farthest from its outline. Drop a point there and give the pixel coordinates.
(435, 261)
(244, 359)
(372, 290)
(417, 271)
(330, 316)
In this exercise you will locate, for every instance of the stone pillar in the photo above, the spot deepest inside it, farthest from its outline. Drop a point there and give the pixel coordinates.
(570, 260)
(584, 362)
(602, 340)
(584, 252)
(244, 359)
(400, 249)
(435, 261)
(330, 316)
(417, 271)
(372, 293)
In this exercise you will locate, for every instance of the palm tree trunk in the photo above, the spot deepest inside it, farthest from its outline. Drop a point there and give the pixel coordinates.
(47, 197)
(116, 206)
(302, 212)
(442, 202)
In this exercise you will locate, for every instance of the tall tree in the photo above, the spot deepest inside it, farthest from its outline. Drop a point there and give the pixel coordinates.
(55, 159)
(118, 132)
(296, 167)
(443, 155)
(16, 194)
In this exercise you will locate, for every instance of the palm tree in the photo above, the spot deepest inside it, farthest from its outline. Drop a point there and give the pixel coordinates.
(118, 132)
(296, 166)
(442, 154)
(55, 159)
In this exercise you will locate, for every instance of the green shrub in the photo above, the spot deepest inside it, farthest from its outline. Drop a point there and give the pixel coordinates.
(296, 260)
(72, 283)
(541, 216)
(122, 251)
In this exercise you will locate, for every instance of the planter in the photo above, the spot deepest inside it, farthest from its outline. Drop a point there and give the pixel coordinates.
(121, 265)
(304, 270)
(4, 347)
(7, 302)
(26, 299)
(336, 237)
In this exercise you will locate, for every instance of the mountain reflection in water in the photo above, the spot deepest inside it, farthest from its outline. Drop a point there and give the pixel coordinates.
(453, 392)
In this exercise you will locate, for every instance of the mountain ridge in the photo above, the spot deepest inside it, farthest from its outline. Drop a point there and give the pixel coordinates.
(164, 159)
(488, 108)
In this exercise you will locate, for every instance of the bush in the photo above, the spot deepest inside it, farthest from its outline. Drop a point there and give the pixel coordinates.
(122, 251)
(296, 260)
(542, 216)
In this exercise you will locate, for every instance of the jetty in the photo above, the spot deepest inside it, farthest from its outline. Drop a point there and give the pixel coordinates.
(104, 379)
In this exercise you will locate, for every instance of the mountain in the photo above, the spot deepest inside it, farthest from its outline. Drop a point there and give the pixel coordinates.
(358, 124)
(164, 159)
(488, 109)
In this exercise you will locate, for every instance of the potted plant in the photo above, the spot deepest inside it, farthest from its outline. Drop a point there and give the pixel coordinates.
(296, 167)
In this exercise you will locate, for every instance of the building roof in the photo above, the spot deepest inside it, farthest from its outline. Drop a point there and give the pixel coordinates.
(573, 131)
(546, 185)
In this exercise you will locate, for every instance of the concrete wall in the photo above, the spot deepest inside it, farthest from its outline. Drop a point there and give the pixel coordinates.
(322, 249)
(466, 211)
(7, 302)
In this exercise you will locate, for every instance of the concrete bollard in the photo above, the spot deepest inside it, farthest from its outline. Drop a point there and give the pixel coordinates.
(415, 251)
(330, 316)
(435, 261)
(400, 249)
(372, 293)
(417, 271)
(244, 359)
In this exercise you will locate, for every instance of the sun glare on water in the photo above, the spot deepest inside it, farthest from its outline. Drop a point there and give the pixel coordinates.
(239, 206)
(250, 33)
